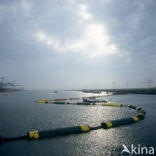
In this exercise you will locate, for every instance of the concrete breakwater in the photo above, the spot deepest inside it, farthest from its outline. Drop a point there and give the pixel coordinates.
(123, 91)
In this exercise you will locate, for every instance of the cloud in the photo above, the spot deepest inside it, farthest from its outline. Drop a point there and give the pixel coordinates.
(83, 11)
(10, 9)
(26, 6)
(78, 39)
(130, 25)
(93, 42)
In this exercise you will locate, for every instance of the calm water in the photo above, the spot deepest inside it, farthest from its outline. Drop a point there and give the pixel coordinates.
(19, 114)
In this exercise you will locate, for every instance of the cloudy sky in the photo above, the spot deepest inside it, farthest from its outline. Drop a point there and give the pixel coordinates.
(69, 44)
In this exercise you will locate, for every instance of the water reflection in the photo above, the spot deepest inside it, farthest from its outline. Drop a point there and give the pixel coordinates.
(18, 114)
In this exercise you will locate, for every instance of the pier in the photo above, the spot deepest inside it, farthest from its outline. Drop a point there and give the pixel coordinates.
(123, 91)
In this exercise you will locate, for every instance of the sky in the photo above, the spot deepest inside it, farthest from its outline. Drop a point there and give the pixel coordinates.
(78, 44)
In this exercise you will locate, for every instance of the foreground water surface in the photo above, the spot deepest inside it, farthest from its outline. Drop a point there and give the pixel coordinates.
(19, 114)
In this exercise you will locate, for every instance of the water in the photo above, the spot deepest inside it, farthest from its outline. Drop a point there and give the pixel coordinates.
(19, 114)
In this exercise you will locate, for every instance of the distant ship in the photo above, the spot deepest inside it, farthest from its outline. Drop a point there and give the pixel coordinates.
(9, 86)
(55, 91)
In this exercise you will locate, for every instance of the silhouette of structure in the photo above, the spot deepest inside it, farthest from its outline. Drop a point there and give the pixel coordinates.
(7, 86)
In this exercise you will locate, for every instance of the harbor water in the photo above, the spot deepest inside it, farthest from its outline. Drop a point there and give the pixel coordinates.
(20, 114)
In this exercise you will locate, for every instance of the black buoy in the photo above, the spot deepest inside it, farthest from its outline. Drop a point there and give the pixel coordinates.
(1, 139)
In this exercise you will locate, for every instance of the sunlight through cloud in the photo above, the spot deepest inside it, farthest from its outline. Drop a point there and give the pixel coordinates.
(85, 15)
(94, 41)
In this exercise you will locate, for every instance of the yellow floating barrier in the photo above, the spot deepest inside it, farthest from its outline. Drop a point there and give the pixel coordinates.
(57, 132)
(43, 101)
(119, 122)
(83, 128)
(112, 104)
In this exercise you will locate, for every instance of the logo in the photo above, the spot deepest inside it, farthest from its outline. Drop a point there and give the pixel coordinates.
(125, 149)
(138, 150)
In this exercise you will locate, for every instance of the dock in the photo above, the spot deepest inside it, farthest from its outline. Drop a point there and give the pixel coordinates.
(123, 91)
